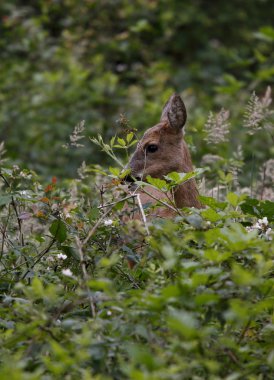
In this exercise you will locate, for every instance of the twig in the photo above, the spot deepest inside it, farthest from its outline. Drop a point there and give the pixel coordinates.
(263, 182)
(139, 205)
(128, 276)
(85, 277)
(21, 236)
(232, 356)
(142, 212)
(162, 202)
(96, 225)
(46, 250)
(119, 200)
(244, 331)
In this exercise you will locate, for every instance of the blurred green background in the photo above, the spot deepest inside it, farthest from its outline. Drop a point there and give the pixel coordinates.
(67, 61)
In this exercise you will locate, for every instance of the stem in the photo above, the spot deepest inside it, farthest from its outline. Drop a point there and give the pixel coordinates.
(142, 212)
(96, 225)
(162, 202)
(46, 250)
(85, 277)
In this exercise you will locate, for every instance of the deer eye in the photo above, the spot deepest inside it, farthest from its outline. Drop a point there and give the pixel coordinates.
(152, 148)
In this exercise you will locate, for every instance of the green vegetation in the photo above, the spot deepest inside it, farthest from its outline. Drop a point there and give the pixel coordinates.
(87, 292)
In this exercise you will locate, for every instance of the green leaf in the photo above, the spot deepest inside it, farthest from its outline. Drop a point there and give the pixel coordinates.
(184, 323)
(179, 178)
(114, 171)
(112, 141)
(242, 276)
(259, 208)
(265, 33)
(213, 203)
(160, 184)
(5, 199)
(93, 213)
(232, 199)
(217, 256)
(37, 287)
(121, 141)
(129, 137)
(58, 230)
(206, 298)
(124, 173)
(211, 215)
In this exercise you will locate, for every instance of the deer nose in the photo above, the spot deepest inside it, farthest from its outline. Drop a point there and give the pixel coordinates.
(131, 178)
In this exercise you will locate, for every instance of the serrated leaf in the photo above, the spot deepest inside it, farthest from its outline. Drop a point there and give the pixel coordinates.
(160, 184)
(179, 178)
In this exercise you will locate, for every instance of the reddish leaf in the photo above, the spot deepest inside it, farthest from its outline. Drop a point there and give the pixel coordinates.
(48, 188)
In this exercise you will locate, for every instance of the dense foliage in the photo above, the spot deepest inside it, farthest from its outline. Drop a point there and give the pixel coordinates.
(87, 292)
(67, 61)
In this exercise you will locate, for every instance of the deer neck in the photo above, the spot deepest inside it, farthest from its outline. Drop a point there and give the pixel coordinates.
(186, 195)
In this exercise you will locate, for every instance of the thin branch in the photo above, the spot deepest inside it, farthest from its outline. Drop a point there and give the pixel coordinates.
(162, 202)
(244, 331)
(21, 236)
(142, 212)
(116, 202)
(85, 277)
(43, 253)
(96, 225)
(137, 196)
(127, 276)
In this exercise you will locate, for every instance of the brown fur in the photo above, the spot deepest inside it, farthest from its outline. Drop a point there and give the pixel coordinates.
(172, 155)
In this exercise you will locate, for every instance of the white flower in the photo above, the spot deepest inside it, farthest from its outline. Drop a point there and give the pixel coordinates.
(109, 313)
(265, 221)
(67, 272)
(25, 194)
(54, 207)
(268, 234)
(108, 222)
(25, 175)
(61, 256)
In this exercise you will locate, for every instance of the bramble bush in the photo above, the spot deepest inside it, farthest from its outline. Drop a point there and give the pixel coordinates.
(87, 292)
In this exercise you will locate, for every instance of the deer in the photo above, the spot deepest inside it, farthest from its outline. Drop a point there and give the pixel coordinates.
(163, 150)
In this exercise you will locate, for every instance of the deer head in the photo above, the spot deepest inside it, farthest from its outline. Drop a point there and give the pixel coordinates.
(162, 150)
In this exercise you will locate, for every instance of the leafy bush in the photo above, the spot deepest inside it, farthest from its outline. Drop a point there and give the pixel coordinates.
(88, 293)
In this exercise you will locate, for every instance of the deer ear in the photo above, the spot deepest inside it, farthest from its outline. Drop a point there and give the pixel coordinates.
(174, 112)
